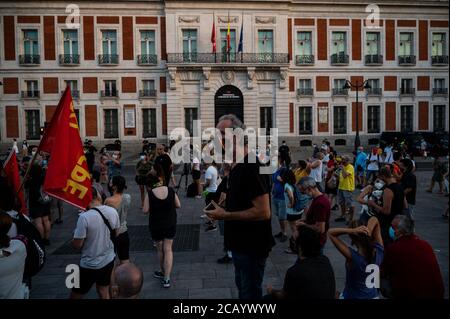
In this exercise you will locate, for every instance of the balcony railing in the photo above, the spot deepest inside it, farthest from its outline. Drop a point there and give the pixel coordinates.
(75, 94)
(29, 59)
(373, 59)
(147, 59)
(108, 93)
(339, 59)
(440, 91)
(305, 92)
(439, 60)
(304, 59)
(340, 92)
(407, 60)
(407, 91)
(147, 93)
(108, 59)
(251, 58)
(69, 59)
(374, 91)
(30, 94)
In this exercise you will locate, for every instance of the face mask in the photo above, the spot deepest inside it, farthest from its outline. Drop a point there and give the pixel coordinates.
(33, 153)
(392, 233)
(114, 156)
(142, 157)
(379, 184)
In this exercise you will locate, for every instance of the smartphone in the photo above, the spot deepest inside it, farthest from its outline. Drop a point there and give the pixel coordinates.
(210, 206)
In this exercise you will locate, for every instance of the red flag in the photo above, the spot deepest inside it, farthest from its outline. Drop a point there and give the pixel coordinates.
(11, 170)
(213, 37)
(67, 176)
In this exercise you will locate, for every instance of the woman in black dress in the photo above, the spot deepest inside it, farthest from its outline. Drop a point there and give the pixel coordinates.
(160, 203)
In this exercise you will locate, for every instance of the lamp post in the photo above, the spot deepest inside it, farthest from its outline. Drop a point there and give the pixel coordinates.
(364, 85)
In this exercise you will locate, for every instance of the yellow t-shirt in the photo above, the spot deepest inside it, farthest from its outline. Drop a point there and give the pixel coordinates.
(299, 174)
(347, 183)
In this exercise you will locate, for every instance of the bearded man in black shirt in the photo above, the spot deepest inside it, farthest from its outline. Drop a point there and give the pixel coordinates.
(247, 216)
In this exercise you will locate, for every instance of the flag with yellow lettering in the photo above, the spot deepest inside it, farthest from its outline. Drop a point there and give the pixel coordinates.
(67, 177)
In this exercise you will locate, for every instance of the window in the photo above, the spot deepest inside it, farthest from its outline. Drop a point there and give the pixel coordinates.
(374, 87)
(32, 89)
(304, 43)
(439, 83)
(189, 45)
(30, 42)
(338, 88)
(304, 87)
(339, 42)
(190, 114)
(148, 42)
(73, 84)
(406, 118)
(111, 123)
(148, 88)
(373, 43)
(109, 42)
(265, 41)
(33, 127)
(223, 45)
(110, 88)
(439, 117)
(340, 120)
(265, 119)
(406, 44)
(406, 86)
(77, 114)
(149, 123)
(70, 40)
(438, 44)
(373, 119)
(305, 120)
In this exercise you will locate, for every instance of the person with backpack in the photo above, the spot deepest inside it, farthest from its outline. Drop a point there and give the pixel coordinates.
(373, 165)
(39, 202)
(94, 235)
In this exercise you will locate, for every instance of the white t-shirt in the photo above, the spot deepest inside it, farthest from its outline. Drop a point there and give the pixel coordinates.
(316, 173)
(211, 174)
(98, 249)
(373, 166)
(389, 155)
(11, 270)
(15, 148)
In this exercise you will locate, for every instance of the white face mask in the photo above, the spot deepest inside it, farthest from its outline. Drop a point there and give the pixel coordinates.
(142, 157)
(114, 156)
(33, 153)
(378, 184)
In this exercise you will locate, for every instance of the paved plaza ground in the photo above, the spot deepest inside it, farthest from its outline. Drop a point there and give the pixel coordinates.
(196, 273)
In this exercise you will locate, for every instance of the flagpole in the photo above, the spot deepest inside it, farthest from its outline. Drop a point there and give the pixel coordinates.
(241, 41)
(215, 43)
(27, 172)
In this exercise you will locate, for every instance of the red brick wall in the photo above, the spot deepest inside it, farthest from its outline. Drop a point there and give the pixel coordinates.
(90, 85)
(129, 131)
(322, 127)
(355, 80)
(88, 37)
(423, 115)
(128, 84)
(423, 40)
(127, 36)
(108, 20)
(360, 110)
(291, 117)
(356, 39)
(439, 23)
(49, 111)
(164, 118)
(146, 20)
(339, 22)
(291, 84)
(390, 83)
(322, 83)
(10, 85)
(300, 21)
(162, 84)
(423, 83)
(390, 40)
(390, 116)
(163, 38)
(322, 39)
(90, 118)
(28, 19)
(9, 40)
(50, 85)
(49, 37)
(12, 121)
(406, 23)
(289, 34)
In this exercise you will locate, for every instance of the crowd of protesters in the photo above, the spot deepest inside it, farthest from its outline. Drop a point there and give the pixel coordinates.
(240, 202)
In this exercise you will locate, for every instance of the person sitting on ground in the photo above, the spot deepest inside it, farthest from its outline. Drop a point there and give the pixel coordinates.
(128, 279)
(312, 276)
(369, 251)
(410, 265)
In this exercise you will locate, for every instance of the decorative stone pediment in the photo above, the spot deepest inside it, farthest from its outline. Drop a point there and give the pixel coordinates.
(265, 20)
(228, 77)
(251, 75)
(283, 78)
(172, 78)
(224, 19)
(206, 75)
(189, 19)
(190, 75)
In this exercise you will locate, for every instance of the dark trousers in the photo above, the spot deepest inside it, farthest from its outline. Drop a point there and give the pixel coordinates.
(249, 274)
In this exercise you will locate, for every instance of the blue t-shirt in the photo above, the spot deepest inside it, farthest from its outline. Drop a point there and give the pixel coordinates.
(355, 283)
(361, 159)
(289, 210)
(278, 187)
(114, 169)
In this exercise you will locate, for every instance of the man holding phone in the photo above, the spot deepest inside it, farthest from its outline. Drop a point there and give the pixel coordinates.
(247, 216)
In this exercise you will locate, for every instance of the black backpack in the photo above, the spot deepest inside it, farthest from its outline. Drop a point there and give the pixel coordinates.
(191, 190)
(35, 249)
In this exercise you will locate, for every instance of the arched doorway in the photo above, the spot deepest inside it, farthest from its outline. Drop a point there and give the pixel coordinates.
(228, 100)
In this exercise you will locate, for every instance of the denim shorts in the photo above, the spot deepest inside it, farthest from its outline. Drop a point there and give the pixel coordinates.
(279, 208)
(345, 198)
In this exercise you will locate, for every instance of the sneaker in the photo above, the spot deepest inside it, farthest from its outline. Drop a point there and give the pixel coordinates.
(224, 260)
(283, 238)
(203, 216)
(210, 228)
(340, 219)
(158, 274)
(278, 235)
(165, 283)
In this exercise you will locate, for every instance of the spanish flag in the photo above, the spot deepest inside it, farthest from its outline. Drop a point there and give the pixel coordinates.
(228, 35)
(67, 177)
(213, 36)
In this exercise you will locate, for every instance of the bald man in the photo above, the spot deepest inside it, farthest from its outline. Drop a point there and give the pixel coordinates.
(129, 279)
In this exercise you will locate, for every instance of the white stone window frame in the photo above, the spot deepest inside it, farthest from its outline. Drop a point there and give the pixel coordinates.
(23, 115)
(314, 119)
(313, 30)
(269, 27)
(435, 77)
(30, 77)
(20, 27)
(415, 40)
(120, 121)
(101, 84)
(415, 108)
(179, 43)
(405, 77)
(137, 38)
(430, 41)
(348, 38)
(365, 118)
(338, 77)
(431, 115)
(60, 40)
(349, 131)
(140, 121)
(99, 28)
(380, 31)
(261, 106)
